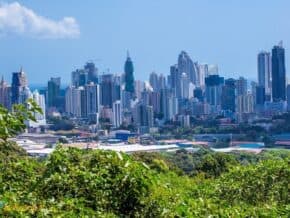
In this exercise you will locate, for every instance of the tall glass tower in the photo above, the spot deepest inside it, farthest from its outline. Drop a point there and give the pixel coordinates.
(278, 73)
(264, 71)
(129, 76)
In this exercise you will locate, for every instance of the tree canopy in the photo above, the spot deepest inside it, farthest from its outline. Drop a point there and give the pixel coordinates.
(94, 183)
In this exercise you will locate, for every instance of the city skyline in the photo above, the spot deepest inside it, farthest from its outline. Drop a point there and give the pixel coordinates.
(113, 28)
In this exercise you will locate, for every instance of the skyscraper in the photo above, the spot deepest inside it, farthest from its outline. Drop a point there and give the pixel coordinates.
(186, 65)
(288, 97)
(184, 86)
(213, 90)
(129, 75)
(40, 118)
(19, 82)
(92, 72)
(92, 101)
(153, 80)
(79, 77)
(107, 90)
(278, 73)
(242, 86)
(53, 91)
(161, 82)
(117, 113)
(264, 71)
(5, 94)
(143, 115)
(260, 96)
(76, 102)
(202, 74)
(229, 95)
(174, 78)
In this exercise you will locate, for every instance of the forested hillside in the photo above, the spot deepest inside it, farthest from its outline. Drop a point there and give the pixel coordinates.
(95, 183)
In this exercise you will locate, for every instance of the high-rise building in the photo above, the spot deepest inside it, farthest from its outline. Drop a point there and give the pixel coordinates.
(264, 71)
(228, 102)
(213, 90)
(202, 74)
(40, 118)
(117, 113)
(161, 82)
(92, 101)
(184, 86)
(278, 73)
(76, 102)
(129, 75)
(174, 78)
(186, 65)
(168, 105)
(5, 94)
(53, 92)
(191, 88)
(92, 72)
(153, 80)
(79, 77)
(260, 95)
(213, 69)
(245, 103)
(19, 81)
(107, 86)
(139, 88)
(242, 86)
(154, 101)
(143, 115)
(198, 93)
(288, 97)
(69, 100)
(24, 95)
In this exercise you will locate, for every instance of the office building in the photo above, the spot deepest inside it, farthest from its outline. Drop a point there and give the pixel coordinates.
(19, 82)
(93, 101)
(264, 71)
(153, 80)
(92, 72)
(40, 117)
(5, 94)
(129, 75)
(228, 101)
(213, 90)
(53, 92)
(278, 73)
(241, 86)
(117, 113)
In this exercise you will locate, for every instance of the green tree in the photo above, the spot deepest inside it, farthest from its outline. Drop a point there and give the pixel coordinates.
(13, 122)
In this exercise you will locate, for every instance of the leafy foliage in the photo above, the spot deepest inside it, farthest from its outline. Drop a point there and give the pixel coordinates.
(12, 123)
(96, 183)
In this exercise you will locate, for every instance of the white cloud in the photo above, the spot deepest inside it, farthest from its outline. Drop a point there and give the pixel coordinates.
(17, 19)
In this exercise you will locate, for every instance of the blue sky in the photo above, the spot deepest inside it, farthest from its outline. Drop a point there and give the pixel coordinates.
(229, 33)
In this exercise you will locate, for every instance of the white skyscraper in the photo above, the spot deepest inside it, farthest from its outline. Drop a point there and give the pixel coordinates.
(202, 74)
(264, 71)
(75, 102)
(117, 113)
(40, 118)
(184, 86)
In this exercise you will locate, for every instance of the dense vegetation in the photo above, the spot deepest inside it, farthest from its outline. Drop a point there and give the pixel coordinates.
(94, 183)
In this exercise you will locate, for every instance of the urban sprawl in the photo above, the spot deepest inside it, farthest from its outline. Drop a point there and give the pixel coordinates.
(193, 105)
